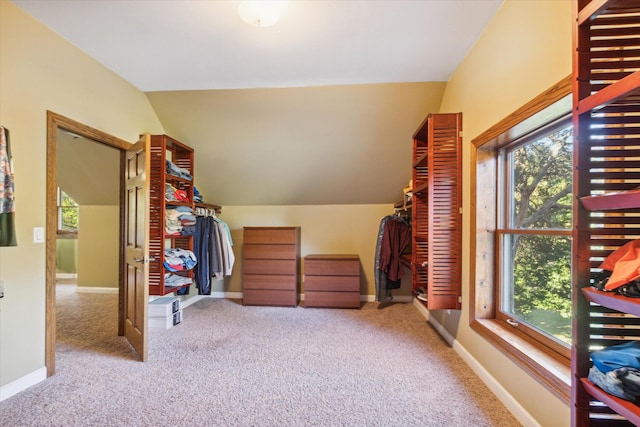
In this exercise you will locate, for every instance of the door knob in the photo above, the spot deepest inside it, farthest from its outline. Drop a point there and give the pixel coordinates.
(145, 260)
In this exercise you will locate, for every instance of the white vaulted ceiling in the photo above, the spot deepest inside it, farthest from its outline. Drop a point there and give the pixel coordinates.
(197, 60)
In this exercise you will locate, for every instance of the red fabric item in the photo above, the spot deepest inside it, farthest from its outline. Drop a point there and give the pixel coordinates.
(624, 263)
(181, 196)
(395, 238)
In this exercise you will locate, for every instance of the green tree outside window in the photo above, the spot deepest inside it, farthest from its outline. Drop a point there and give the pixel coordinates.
(67, 213)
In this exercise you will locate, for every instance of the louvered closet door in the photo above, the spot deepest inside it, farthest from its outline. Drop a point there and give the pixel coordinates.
(444, 211)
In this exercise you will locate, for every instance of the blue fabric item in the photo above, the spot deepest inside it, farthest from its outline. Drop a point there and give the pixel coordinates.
(625, 355)
(177, 259)
(174, 170)
(179, 208)
(615, 382)
(197, 197)
(202, 247)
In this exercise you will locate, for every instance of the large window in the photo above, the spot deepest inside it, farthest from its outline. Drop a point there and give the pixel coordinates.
(534, 234)
(522, 228)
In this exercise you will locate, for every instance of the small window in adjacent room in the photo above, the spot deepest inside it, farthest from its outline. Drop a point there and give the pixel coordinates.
(67, 214)
(522, 233)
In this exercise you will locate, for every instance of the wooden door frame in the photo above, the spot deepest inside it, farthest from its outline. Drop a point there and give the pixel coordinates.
(56, 122)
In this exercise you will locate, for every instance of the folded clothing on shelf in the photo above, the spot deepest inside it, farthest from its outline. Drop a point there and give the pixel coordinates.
(177, 259)
(172, 194)
(173, 169)
(175, 280)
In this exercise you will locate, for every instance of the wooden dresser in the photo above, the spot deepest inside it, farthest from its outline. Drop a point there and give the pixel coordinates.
(270, 266)
(332, 281)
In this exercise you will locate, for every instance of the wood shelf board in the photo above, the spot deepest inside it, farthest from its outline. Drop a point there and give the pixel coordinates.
(422, 187)
(171, 177)
(422, 161)
(619, 200)
(159, 290)
(612, 300)
(627, 409)
(614, 94)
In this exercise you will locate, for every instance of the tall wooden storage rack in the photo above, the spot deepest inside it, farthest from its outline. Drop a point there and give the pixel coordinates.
(436, 226)
(165, 148)
(606, 118)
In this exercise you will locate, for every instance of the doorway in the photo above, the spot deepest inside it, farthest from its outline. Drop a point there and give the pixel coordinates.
(56, 123)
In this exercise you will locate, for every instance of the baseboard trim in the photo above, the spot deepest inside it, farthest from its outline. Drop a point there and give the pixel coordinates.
(66, 275)
(238, 295)
(96, 290)
(23, 383)
(501, 393)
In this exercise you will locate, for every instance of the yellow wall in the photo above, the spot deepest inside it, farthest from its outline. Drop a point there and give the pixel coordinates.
(66, 255)
(98, 246)
(40, 71)
(325, 229)
(525, 50)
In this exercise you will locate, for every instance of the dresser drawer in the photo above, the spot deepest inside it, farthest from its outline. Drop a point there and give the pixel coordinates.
(332, 299)
(269, 297)
(261, 281)
(332, 283)
(332, 265)
(252, 251)
(266, 235)
(269, 266)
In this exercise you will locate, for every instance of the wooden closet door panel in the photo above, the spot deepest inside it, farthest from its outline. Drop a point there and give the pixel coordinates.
(444, 211)
(253, 251)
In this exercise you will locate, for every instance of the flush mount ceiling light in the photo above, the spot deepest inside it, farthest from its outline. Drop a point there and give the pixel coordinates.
(260, 13)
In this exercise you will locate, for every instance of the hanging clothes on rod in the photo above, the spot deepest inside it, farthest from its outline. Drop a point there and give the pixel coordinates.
(7, 205)
(213, 247)
(394, 234)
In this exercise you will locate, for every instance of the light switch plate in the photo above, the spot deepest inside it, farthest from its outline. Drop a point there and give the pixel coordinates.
(38, 234)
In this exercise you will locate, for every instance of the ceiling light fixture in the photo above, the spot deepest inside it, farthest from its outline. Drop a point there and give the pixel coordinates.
(260, 13)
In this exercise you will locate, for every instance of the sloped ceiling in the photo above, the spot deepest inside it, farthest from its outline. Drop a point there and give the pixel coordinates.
(166, 45)
(89, 172)
(318, 109)
(300, 146)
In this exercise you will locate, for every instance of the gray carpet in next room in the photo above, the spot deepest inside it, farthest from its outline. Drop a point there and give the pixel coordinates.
(230, 365)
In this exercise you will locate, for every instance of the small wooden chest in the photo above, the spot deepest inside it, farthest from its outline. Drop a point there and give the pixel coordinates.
(332, 281)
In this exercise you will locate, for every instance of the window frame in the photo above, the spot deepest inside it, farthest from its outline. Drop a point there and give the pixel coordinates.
(505, 228)
(550, 367)
(64, 232)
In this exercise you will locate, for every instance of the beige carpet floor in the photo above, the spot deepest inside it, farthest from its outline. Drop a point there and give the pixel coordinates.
(231, 365)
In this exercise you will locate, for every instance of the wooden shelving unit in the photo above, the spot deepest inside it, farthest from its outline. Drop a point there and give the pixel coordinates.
(436, 214)
(165, 148)
(606, 118)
